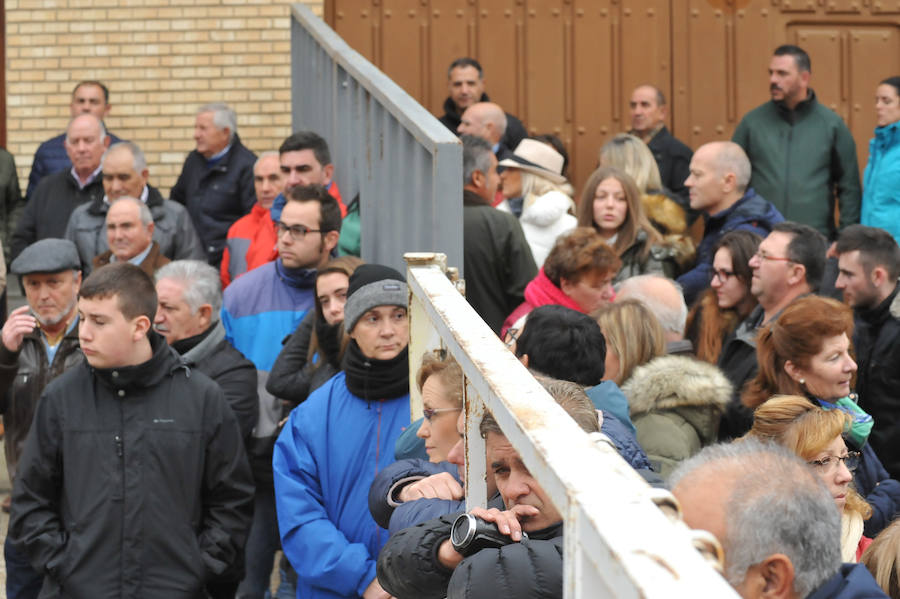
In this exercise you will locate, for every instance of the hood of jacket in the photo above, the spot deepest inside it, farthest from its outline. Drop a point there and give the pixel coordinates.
(895, 305)
(547, 209)
(751, 209)
(665, 213)
(698, 391)
(852, 581)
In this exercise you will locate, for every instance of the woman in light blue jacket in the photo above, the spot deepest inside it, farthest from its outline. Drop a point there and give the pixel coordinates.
(881, 181)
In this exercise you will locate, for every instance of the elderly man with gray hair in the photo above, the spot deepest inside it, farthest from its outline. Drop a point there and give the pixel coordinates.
(216, 182)
(125, 173)
(190, 298)
(718, 183)
(129, 235)
(664, 298)
(776, 521)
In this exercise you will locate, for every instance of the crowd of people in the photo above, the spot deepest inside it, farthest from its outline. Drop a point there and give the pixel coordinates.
(199, 382)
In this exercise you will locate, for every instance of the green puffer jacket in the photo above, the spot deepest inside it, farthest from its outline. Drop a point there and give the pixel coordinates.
(802, 159)
(676, 403)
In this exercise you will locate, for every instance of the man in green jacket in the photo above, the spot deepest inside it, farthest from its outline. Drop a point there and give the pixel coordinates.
(802, 153)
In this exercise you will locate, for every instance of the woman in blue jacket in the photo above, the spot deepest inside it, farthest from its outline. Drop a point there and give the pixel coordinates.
(336, 441)
(881, 180)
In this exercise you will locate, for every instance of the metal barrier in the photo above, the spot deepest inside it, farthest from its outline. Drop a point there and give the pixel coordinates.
(405, 166)
(618, 540)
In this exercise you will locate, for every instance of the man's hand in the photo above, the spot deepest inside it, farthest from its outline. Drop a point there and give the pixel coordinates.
(19, 324)
(374, 591)
(509, 522)
(436, 486)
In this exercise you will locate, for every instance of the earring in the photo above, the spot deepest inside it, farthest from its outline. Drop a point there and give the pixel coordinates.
(802, 381)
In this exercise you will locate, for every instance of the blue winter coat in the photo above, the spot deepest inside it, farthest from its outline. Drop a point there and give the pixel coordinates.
(852, 581)
(881, 181)
(750, 213)
(402, 470)
(325, 461)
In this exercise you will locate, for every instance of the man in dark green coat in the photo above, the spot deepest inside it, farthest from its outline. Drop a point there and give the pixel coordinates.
(802, 153)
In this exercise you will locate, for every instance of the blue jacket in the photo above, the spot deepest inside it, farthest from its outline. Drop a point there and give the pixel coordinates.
(750, 213)
(325, 461)
(608, 398)
(852, 581)
(881, 181)
(402, 470)
(264, 306)
(51, 158)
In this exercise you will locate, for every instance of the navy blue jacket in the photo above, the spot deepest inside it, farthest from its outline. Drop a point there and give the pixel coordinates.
(852, 581)
(216, 196)
(750, 213)
(51, 158)
(404, 470)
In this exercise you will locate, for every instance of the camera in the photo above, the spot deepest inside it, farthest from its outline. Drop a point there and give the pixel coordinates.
(470, 534)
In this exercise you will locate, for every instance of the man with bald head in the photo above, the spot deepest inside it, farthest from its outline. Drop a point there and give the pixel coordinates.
(718, 184)
(487, 121)
(47, 212)
(88, 97)
(125, 174)
(663, 297)
(129, 234)
(648, 122)
(777, 523)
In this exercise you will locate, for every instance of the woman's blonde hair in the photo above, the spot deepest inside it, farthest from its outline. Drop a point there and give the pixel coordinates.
(448, 371)
(633, 333)
(806, 429)
(635, 217)
(534, 186)
(627, 152)
(882, 559)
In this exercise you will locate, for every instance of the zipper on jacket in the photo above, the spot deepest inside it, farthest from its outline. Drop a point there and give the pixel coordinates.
(787, 171)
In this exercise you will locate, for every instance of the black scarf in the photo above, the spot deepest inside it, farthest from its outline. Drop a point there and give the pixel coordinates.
(373, 379)
(329, 338)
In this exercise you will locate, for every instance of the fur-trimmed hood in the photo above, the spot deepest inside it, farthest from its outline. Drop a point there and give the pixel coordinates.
(895, 307)
(673, 382)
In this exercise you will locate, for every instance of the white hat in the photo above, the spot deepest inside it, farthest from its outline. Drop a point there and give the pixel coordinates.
(538, 158)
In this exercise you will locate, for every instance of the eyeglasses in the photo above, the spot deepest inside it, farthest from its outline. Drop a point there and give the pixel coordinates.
(763, 256)
(430, 412)
(298, 232)
(722, 275)
(512, 336)
(829, 463)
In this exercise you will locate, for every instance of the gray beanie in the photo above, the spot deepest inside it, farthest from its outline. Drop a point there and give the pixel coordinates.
(373, 285)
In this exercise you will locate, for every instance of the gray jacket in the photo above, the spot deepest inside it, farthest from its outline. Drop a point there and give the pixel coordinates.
(174, 231)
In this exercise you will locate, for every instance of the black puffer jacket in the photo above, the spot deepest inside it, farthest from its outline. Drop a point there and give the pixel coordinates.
(877, 342)
(408, 567)
(212, 355)
(23, 376)
(134, 482)
(47, 212)
(216, 196)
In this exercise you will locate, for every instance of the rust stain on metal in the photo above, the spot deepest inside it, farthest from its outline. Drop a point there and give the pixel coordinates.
(659, 561)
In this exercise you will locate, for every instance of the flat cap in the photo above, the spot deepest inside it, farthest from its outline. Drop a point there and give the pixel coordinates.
(47, 255)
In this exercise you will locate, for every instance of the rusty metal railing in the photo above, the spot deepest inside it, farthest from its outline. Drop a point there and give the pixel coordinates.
(622, 538)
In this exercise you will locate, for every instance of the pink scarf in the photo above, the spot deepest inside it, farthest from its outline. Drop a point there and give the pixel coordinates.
(542, 292)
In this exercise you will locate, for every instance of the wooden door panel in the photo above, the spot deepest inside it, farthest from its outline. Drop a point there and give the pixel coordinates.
(451, 36)
(874, 56)
(405, 26)
(499, 47)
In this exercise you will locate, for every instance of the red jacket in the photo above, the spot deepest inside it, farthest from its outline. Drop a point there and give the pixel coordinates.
(251, 242)
(539, 292)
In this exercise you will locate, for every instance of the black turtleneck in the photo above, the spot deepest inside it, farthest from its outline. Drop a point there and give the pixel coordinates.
(183, 346)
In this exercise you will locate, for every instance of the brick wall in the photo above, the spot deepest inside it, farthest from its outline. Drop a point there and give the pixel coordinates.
(160, 60)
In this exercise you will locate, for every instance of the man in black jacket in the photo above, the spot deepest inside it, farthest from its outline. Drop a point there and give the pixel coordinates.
(869, 265)
(216, 182)
(465, 86)
(39, 343)
(56, 197)
(496, 258)
(134, 480)
(420, 562)
(648, 121)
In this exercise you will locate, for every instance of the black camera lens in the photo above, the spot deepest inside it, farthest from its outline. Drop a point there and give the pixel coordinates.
(470, 534)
